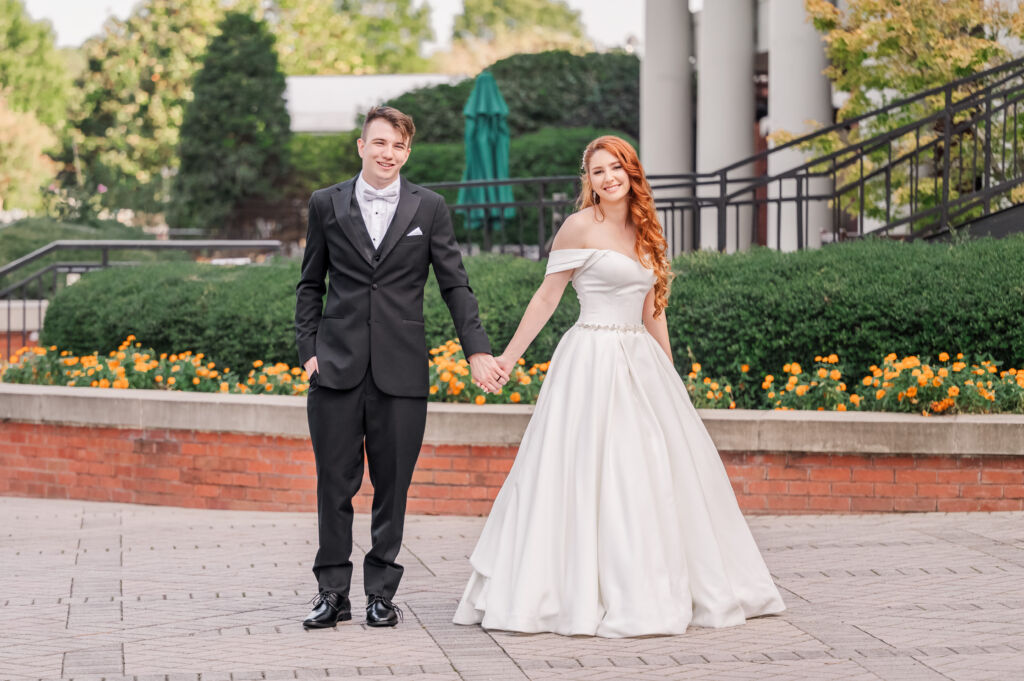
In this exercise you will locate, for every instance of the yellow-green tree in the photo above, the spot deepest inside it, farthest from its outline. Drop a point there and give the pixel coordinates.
(24, 165)
(31, 68)
(882, 51)
(489, 30)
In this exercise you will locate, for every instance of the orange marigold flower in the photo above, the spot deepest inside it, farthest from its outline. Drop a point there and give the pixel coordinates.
(433, 389)
(822, 372)
(158, 379)
(943, 356)
(195, 380)
(224, 387)
(258, 363)
(855, 400)
(840, 407)
(835, 375)
(480, 399)
(695, 367)
(879, 394)
(833, 358)
(744, 368)
(953, 391)
(515, 397)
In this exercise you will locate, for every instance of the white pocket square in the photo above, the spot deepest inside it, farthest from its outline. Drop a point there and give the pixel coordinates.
(415, 232)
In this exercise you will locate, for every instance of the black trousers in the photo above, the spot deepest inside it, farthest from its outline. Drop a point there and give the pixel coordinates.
(341, 424)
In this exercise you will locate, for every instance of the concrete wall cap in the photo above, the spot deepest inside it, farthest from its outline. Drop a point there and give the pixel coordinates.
(500, 425)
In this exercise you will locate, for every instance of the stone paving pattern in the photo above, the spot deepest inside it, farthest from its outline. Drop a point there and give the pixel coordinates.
(121, 592)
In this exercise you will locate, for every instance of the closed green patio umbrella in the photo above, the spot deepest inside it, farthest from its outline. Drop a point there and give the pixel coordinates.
(487, 140)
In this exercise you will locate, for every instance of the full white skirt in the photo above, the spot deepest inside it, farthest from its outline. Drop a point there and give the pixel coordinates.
(617, 518)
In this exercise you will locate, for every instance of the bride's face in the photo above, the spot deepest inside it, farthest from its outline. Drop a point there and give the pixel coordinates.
(608, 177)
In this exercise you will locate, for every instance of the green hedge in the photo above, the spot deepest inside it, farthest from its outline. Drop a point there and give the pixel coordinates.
(860, 300)
(204, 308)
(548, 89)
(319, 161)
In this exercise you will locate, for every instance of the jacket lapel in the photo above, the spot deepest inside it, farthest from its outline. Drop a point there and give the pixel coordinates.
(346, 212)
(408, 203)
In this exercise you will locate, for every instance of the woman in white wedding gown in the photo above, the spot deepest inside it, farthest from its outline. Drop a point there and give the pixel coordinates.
(617, 518)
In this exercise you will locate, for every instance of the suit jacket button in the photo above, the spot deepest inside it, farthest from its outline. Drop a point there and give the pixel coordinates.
(374, 287)
(376, 257)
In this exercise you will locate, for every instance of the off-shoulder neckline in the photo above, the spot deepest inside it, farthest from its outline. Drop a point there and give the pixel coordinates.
(599, 250)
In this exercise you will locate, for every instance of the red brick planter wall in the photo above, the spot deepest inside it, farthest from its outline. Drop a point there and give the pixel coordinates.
(259, 472)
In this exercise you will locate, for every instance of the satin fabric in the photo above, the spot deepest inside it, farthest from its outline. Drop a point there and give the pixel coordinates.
(617, 518)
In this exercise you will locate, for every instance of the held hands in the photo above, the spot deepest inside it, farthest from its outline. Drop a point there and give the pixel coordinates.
(506, 364)
(488, 375)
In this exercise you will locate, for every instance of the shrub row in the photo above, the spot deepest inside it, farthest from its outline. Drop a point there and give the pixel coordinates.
(177, 307)
(860, 300)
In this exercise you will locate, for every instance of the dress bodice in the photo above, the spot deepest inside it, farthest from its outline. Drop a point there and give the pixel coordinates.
(611, 286)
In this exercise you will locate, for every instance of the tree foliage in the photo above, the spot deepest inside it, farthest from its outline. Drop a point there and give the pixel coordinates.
(881, 52)
(133, 96)
(32, 70)
(235, 134)
(24, 165)
(489, 30)
(137, 81)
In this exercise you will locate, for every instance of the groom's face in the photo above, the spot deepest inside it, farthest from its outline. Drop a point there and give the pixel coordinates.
(384, 150)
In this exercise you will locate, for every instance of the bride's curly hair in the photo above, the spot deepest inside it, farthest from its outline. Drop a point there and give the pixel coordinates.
(651, 247)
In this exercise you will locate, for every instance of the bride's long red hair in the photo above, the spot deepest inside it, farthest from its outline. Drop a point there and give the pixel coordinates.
(651, 247)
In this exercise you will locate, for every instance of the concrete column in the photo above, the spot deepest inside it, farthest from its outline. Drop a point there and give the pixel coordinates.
(798, 92)
(666, 106)
(725, 108)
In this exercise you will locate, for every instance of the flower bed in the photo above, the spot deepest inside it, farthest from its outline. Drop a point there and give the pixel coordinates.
(949, 385)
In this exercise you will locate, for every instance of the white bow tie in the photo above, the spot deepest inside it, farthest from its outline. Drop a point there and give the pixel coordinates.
(389, 194)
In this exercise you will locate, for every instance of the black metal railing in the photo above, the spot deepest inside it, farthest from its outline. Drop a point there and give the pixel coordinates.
(954, 158)
(32, 292)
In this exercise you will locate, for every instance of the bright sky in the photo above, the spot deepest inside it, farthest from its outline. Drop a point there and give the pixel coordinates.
(608, 22)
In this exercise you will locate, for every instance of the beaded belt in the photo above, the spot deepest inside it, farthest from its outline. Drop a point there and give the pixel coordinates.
(624, 328)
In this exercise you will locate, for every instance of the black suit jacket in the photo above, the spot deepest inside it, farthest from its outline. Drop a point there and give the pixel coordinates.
(374, 309)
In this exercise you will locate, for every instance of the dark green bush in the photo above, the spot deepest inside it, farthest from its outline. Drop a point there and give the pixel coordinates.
(548, 89)
(860, 300)
(233, 314)
(204, 308)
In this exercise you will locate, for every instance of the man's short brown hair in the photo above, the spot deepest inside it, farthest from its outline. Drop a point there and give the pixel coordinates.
(393, 116)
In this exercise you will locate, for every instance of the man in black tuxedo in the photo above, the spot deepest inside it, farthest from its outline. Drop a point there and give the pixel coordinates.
(365, 351)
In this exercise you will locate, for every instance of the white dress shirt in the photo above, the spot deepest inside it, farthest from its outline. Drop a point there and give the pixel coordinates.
(377, 213)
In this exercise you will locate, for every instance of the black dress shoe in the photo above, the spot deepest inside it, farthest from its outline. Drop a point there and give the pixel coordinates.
(328, 609)
(380, 612)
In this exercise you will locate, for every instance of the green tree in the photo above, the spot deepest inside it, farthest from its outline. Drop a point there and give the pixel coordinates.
(235, 134)
(31, 69)
(132, 98)
(137, 81)
(24, 166)
(391, 34)
(489, 30)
